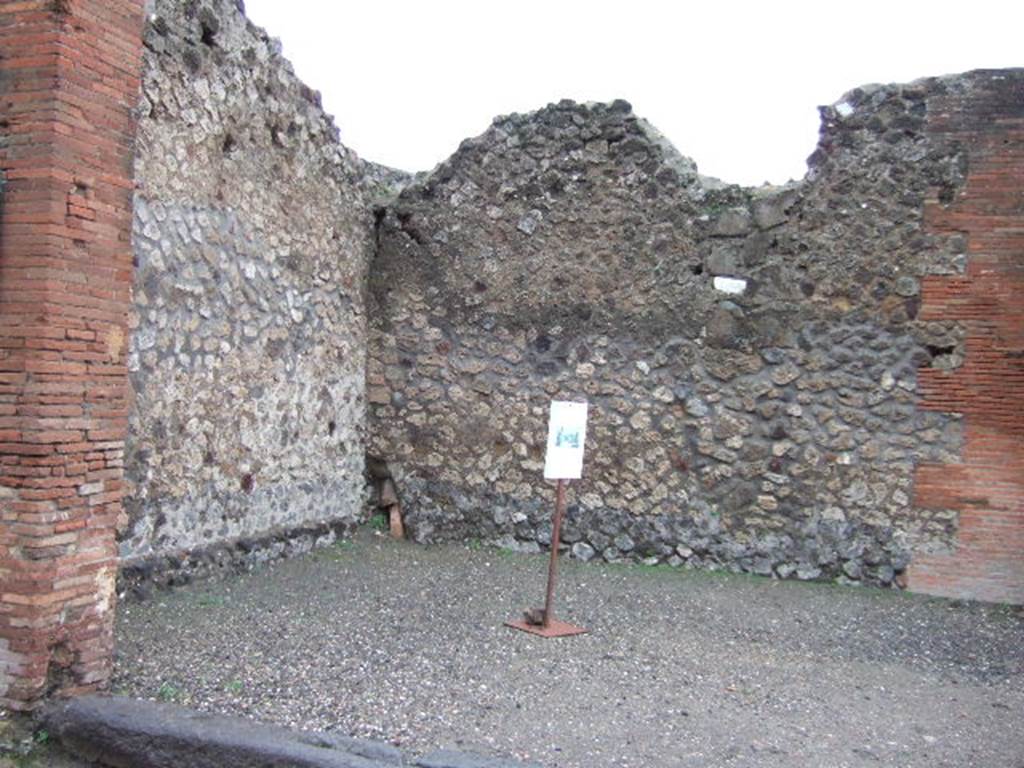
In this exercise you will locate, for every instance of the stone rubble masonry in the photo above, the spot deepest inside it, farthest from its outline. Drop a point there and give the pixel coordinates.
(986, 486)
(755, 359)
(252, 233)
(70, 81)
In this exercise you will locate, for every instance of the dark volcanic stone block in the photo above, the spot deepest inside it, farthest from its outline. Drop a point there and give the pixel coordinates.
(126, 733)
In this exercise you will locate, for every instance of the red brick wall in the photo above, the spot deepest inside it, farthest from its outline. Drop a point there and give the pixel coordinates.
(987, 488)
(69, 80)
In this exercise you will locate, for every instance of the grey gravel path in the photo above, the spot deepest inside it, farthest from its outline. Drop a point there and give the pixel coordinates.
(389, 640)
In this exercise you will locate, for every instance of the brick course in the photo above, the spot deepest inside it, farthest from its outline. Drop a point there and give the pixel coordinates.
(987, 487)
(70, 78)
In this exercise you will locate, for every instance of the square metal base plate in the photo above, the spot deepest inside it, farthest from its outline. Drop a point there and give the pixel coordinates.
(555, 628)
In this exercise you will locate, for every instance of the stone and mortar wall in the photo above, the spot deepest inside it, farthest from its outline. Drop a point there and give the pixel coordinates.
(252, 235)
(751, 356)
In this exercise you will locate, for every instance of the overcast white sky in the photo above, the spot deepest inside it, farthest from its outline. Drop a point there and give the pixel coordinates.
(734, 85)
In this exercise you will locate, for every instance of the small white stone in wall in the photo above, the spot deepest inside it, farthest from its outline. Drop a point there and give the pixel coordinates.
(696, 408)
(732, 285)
(833, 513)
(643, 367)
(844, 109)
(584, 370)
(664, 394)
(640, 421)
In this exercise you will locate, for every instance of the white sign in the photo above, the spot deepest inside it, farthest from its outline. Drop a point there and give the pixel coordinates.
(567, 431)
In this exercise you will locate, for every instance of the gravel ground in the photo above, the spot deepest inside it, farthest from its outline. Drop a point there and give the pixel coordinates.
(388, 640)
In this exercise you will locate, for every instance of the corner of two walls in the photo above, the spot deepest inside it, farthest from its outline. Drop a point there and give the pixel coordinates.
(252, 236)
(751, 356)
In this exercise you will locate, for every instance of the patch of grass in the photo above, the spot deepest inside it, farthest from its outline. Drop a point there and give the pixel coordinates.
(210, 601)
(168, 692)
(336, 551)
(848, 587)
(658, 570)
(234, 687)
(1009, 611)
(378, 523)
(682, 572)
(26, 751)
(29, 759)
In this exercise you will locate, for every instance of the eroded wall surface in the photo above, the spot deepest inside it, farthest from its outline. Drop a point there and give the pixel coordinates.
(751, 356)
(251, 236)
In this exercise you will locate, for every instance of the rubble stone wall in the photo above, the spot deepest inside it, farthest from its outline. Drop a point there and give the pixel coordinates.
(751, 356)
(252, 234)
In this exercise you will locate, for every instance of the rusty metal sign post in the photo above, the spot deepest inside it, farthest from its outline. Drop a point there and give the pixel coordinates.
(566, 436)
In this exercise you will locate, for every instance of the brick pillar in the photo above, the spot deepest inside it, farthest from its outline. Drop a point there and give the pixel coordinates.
(987, 487)
(69, 80)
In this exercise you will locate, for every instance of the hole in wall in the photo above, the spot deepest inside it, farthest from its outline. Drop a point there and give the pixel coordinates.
(406, 225)
(246, 483)
(60, 669)
(912, 306)
(209, 26)
(937, 350)
(331, 427)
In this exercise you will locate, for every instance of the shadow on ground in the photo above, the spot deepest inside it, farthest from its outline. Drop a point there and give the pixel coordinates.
(388, 640)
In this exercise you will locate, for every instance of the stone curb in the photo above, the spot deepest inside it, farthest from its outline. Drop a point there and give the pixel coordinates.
(129, 733)
(446, 758)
